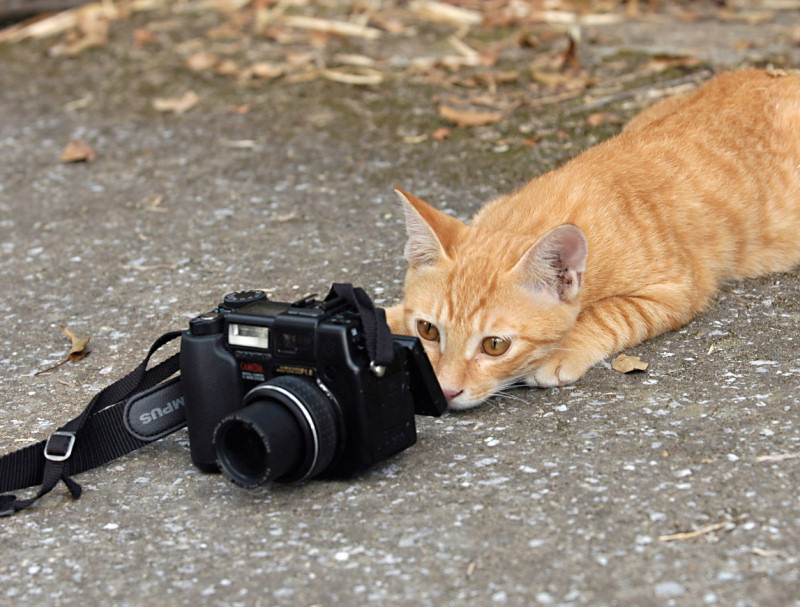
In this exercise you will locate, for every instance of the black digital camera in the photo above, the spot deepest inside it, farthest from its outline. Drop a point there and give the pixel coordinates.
(287, 392)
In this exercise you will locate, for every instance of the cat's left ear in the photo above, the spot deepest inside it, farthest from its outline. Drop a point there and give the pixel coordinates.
(430, 232)
(555, 264)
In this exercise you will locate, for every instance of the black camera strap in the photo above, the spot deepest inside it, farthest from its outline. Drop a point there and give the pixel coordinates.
(126, 415)
(377, 334)
(136, 410)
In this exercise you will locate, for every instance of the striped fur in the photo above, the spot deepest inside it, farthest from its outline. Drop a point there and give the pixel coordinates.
(697, 190)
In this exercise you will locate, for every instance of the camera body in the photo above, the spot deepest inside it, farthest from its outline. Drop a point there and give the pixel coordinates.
(280, 391)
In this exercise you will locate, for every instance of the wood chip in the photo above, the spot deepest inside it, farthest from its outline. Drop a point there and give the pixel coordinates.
(773, 554)
(238, 144)
(445, 13)
(283, 218)
(177, 105)
(341, 28)
(468, 118)
(780, 457)
(263, 70)
(676, 537)
(571, 18)
(353, 59)
(363, 77)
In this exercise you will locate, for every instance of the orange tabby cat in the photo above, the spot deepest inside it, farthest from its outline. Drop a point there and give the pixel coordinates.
(626, 241)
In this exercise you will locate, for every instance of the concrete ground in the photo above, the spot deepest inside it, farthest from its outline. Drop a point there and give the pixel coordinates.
(571, 496)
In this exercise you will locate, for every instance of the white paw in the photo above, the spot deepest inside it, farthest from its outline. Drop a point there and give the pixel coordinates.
(558, 371)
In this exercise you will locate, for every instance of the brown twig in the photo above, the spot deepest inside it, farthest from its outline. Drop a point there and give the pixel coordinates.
(689, 535)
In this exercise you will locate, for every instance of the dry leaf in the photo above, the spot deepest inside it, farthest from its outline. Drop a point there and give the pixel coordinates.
(505, 76)
(264, 70)
(441, 134)
(142, 36)
(557, 80)
(227, 67)
(601, 118)
(571, 59)
(77, 151)
(178, 105)
(660, 63)
(777, 73)
(152, 203)
(78, 349)
(628, 364)
(550, 79)
(201, 61)
(468, 117)
(91, 32)
(79, 104)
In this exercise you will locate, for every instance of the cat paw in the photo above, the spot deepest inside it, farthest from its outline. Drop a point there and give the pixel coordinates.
(556, 372)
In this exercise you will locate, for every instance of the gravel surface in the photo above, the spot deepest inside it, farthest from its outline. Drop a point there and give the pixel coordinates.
(676, 486)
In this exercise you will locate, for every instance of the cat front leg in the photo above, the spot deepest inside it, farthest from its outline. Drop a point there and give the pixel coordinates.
(611, 325)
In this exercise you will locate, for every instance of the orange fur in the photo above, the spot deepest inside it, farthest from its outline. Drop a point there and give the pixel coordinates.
(697, 190)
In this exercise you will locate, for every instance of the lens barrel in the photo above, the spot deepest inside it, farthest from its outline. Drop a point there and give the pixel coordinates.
(287, 431)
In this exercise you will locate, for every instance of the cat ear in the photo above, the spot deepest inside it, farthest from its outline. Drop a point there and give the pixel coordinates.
(555, 264)
(430, 232)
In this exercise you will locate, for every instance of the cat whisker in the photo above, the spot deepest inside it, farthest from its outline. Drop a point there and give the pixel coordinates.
(509, 395)
(509, 384)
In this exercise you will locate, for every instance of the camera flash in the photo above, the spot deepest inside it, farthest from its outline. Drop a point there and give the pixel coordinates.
(248, 336)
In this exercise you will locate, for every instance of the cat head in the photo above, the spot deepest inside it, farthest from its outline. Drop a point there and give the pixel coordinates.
(487, 306)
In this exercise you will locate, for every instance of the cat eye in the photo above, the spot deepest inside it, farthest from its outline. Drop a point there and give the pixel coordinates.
(427, 330)
(495, 346)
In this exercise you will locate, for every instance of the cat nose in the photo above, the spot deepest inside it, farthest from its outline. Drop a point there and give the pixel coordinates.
(451, 394)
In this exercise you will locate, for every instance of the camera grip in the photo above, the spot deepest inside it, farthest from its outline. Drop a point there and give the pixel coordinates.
(212, 390)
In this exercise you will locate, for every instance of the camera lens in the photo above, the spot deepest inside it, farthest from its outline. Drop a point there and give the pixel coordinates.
(287, 431)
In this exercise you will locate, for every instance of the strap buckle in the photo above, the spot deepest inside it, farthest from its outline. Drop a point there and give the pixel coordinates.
(59, 446)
